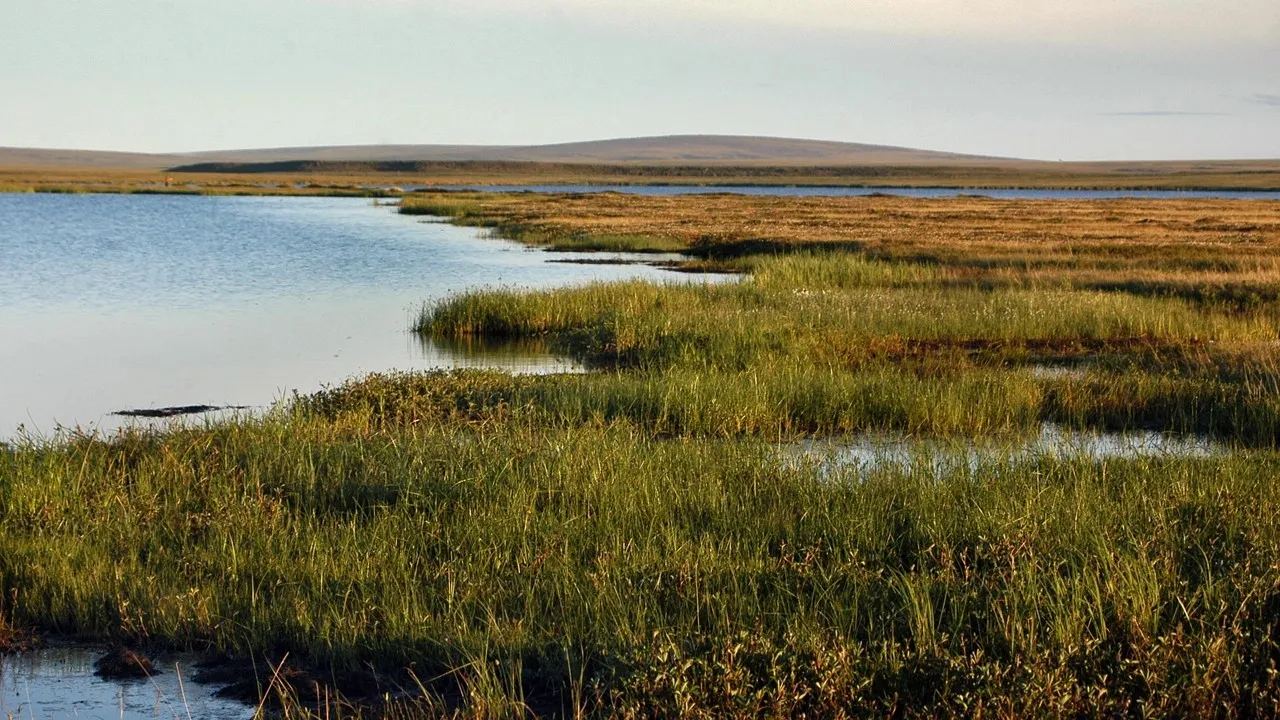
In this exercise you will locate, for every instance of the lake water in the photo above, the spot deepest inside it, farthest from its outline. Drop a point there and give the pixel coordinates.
(829, 191)
(59, 684)
(121, 302)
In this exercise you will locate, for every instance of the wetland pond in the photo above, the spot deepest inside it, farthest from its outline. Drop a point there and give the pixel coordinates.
(145, 302)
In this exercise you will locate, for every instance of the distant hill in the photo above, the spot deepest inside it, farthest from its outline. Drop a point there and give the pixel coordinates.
(673, 149)
(676, 158)
(42, 157)
(668, 150)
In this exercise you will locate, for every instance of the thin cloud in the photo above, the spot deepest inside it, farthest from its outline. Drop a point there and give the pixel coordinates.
(1266, 99)
(1164, 113)
(1078, 22)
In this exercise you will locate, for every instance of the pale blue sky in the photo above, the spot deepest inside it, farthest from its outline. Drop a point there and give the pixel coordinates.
(1069, 79)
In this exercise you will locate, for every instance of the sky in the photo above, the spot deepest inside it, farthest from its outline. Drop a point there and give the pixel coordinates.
(1044, 79)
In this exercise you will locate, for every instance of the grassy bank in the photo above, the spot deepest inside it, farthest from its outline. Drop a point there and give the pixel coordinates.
(727, 326)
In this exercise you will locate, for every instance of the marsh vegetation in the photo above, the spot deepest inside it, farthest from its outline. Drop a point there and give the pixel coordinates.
(636, 542)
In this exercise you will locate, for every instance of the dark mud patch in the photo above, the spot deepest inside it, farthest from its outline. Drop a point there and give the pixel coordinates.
(176, 411)
(664, 264)
(270, 681)
(280, 684)
(603, 261)
(124, 664)
(690, 266)
(1032, 351)
(14, 641)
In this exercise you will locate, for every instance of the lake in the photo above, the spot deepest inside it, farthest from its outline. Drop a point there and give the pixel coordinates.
(122, 302)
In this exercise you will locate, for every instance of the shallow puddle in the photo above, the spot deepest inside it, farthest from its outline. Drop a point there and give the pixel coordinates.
(58, 683)
(874, 451)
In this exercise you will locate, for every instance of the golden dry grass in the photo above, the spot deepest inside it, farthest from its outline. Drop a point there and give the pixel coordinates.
(1173, 244)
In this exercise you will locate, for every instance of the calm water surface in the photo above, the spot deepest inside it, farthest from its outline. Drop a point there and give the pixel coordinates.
(817, 190)
(114, 302)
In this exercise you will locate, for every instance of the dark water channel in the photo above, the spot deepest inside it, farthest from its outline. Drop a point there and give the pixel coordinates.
(136, 302)
(924, 192)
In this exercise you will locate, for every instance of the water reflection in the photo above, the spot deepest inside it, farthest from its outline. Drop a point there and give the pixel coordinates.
(868, 453)
(528, 356)
(521, 357)
(58, 683)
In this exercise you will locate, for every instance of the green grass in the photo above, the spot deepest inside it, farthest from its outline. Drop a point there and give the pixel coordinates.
(736, 326)
(766, 403)
(781, 402)
(626, 562)
(597, 242)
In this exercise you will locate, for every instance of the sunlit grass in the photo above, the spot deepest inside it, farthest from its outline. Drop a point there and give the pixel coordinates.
(740, 325)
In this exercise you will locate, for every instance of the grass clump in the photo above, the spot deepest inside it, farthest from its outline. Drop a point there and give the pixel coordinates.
(739, 325)
(766, 403)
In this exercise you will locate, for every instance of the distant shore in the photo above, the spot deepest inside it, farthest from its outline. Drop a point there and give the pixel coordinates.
(98, 172)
